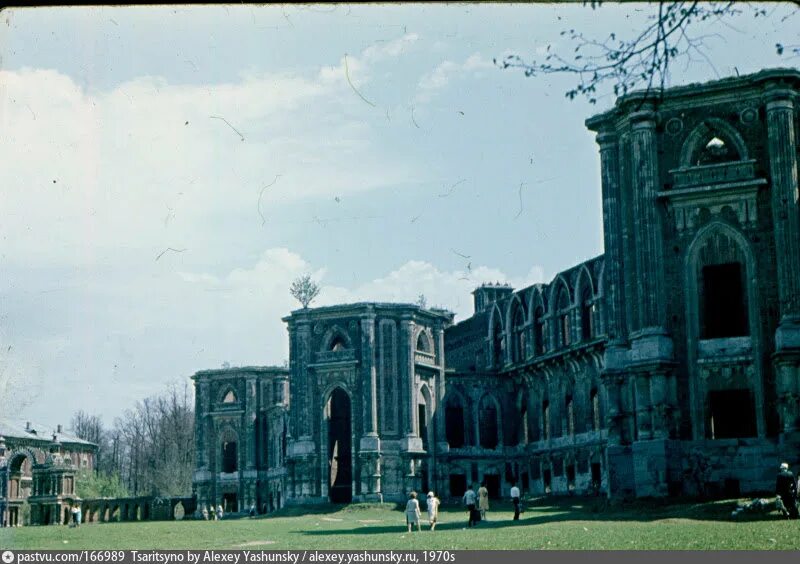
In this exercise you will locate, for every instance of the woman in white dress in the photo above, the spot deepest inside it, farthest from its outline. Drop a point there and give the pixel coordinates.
(433, 510)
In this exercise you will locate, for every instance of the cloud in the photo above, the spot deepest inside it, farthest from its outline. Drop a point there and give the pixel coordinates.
(447, 71)
(86, 170)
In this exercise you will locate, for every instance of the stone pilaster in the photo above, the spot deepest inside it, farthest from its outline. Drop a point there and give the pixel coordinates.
(782, 143)
(612, 236)
(408, 378)
(200, 410)
(249, 424)
(649, 251)
(369, 377)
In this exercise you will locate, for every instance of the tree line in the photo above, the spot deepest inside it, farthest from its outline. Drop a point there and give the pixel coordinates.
(149, 450)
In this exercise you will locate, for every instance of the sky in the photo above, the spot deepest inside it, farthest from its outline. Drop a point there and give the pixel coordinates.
(168, 171)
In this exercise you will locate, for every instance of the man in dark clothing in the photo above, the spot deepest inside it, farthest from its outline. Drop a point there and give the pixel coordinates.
(786, 488)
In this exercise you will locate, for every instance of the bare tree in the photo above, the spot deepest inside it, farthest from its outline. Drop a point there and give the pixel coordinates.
(644, 59)
(304, 290)
(422, 301)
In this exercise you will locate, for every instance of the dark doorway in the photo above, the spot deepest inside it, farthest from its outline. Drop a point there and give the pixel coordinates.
(229, 457)
(458, 484)
(597, 476)
(454, 425)
(422, 419)
(724, 310)
(732, 414)
(492, 482)
(229, 503)
(339, 448)
(547, 480)
(570, 471)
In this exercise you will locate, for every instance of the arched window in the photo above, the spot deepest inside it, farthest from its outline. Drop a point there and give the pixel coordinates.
(546, 420)
(229, 456)
(454, 422)
(594, 401)
(587, 313)
(523, 437)
(497, 342)
(723, 309)
(538, 331)
(487, 424)
(520, 342)
(338, 344)
(230, 397)
(563, 317)
(424, 343)
(716, 150)
(569, 409)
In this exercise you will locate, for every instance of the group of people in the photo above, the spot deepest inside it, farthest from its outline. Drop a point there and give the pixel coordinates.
(786, 488)
(77, 515)
(477, 505)
(413, 515)
(211, 513)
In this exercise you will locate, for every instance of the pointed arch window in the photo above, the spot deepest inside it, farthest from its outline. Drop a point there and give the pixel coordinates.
(424, 343)
(338, 344)
(723, 310)
(563, 324)
(538, 331)
(488, 424)
(716, 150)
(519, 336)
(587, 313)
(594, 401)
(230, 397)
(497, 342)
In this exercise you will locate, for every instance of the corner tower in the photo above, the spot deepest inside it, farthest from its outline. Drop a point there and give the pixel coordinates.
(702, 242)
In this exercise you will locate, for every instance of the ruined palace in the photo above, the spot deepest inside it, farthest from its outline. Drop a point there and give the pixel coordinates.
(669, 365)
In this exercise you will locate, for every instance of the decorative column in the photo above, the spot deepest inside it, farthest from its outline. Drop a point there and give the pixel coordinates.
(785, 207)
(301, 450)
(200, 411)
(649, 242)
(612, 237)
(369, 447)
(412, 441)
(660, 404)
(250, 422)
(782, 144)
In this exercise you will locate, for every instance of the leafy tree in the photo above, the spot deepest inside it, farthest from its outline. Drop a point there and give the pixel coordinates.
(92, 486)
(304, 290)
(642, 61)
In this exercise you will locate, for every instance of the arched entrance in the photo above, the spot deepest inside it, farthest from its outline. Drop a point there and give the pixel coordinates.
(340, 473)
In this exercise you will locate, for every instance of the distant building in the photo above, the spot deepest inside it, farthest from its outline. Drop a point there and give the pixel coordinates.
(670, 365)
(38, 469)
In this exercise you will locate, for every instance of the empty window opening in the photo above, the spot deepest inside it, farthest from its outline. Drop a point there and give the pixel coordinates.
(724, 307)
(538, 331)
(458, 484)
(587, 314)
(338, 344)
(422, 420)
(594, 400)
(715, 151)
(454, 425)
(546, 420)
(570, 412)
(229, 457)
(597, 476)
(547, 480)
(230, 397)
(423, 343)
(731, 414)
(570, 477)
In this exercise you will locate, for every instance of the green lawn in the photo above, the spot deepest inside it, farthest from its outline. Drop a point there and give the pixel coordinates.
(547, 524)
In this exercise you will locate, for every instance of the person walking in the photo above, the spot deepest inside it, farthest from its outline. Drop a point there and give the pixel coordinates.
(412, 512)
(470, 500)
(515, 499)
(433, 510)
(786, 488)
(204, 513)
(220, 513)
(483, 500)
(74, 512)
(78, 516)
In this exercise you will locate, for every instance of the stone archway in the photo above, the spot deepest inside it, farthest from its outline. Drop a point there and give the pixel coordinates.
(340, 459)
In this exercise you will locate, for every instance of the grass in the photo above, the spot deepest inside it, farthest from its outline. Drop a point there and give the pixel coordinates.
(571, 524)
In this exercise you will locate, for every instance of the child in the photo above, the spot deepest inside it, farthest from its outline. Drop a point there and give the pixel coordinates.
(433, 510)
